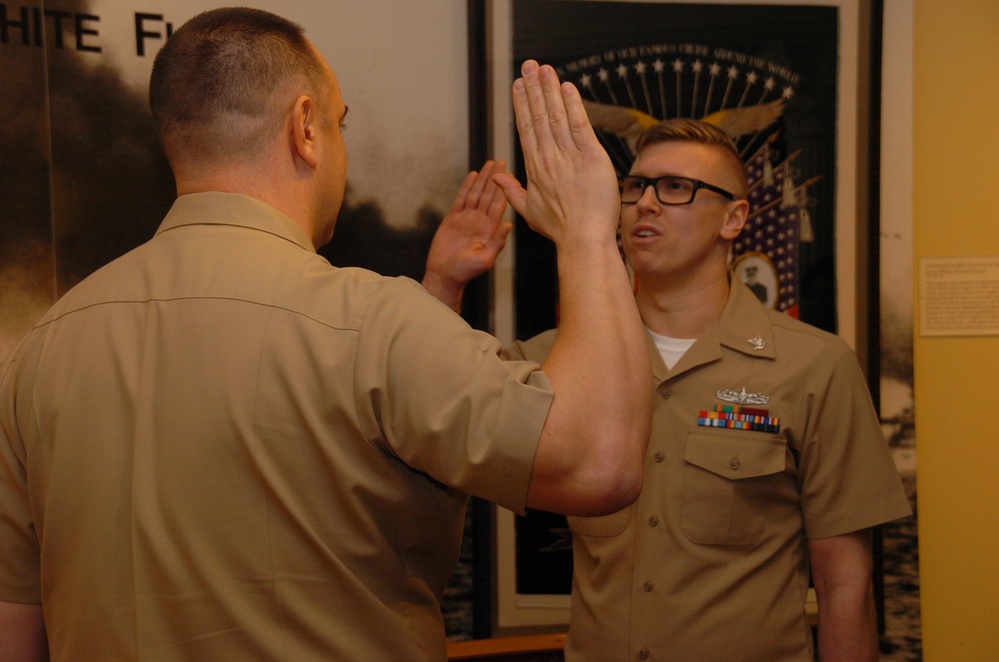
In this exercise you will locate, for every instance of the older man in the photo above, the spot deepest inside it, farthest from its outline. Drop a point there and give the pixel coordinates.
(220, 447)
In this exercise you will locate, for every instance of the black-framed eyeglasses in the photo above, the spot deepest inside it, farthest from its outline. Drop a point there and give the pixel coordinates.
(670, 190)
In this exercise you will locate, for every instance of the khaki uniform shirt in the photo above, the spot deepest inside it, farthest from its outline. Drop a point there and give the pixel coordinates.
(219, 447)
(711, 562)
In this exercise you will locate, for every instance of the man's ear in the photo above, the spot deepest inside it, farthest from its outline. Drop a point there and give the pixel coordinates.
(305, 130)
(735, 219)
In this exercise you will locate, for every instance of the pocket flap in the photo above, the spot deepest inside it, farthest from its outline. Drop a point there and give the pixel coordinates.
(737, 455)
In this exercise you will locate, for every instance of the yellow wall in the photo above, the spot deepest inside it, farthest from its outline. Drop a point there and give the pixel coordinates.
(956, 213)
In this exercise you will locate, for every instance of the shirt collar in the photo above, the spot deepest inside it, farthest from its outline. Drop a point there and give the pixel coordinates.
(214, 208)
(744, 326)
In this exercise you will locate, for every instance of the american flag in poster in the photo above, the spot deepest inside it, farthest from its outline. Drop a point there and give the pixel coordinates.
(778, 221)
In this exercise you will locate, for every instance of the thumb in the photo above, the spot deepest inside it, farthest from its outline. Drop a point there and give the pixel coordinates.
(498, 239)
(515, 194)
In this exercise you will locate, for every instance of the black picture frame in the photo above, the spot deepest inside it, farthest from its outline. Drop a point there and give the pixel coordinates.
(841, 295)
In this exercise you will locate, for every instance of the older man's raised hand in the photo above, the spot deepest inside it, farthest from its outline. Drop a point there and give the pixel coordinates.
(571, 181)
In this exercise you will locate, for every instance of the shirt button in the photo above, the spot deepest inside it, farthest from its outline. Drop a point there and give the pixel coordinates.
(665, 394)
(660, 456)
(653, 521)
(734, 464)
(647, 587)
(643, 654)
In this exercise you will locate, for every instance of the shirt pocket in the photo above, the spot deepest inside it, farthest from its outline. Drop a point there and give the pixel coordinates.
(605, 526)
(727, 480)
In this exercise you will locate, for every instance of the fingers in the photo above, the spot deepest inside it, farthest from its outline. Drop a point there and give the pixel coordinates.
(478, 191)
(558, 122)
(522, 115)
(535, 120)
(479, 185)
(547, 112)
(495, 207)
(531, 111)
(462, 196)
(579, 125)
(492, 201)
(498, 240)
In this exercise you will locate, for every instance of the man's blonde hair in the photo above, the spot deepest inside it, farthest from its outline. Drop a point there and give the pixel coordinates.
(683, 129)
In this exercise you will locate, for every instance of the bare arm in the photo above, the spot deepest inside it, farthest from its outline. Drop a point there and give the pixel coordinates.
(841, 572)
(469, 237)
(592, 448)
(22, 633)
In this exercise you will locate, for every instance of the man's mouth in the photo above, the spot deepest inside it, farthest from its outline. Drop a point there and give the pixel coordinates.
(645, 232)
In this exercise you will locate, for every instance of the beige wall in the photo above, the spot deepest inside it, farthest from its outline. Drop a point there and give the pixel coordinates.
(956, 177)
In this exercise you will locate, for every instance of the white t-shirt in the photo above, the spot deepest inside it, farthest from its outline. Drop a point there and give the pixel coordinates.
(671, 349)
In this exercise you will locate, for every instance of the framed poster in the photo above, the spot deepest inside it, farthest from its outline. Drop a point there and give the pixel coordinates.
(82, 177)
(782, 79)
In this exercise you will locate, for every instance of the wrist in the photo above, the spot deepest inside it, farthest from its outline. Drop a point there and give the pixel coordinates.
(444, 290)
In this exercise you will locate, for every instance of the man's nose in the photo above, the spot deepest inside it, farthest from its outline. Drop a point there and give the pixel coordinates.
(648, 199)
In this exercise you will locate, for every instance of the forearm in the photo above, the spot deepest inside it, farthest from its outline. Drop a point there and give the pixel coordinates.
(599, 367)
(447, 292)
(841, 571)
(22, 633)
(847, 625)
(592, 448)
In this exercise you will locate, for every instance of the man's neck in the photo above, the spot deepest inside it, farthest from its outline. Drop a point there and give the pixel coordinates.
(682, 312)
(288, 198)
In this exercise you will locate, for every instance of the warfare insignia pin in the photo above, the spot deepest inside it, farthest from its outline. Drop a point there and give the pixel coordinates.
(743, 397)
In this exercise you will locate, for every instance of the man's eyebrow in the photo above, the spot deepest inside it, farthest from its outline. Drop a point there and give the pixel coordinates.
(344, 116)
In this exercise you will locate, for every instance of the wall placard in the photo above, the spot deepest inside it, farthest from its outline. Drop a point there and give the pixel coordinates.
(959, 296)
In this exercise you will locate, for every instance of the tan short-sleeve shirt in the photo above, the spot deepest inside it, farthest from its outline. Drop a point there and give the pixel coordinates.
(711, 562)
(219, 447)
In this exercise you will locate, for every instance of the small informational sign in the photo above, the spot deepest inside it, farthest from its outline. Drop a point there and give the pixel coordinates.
(959, 296)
